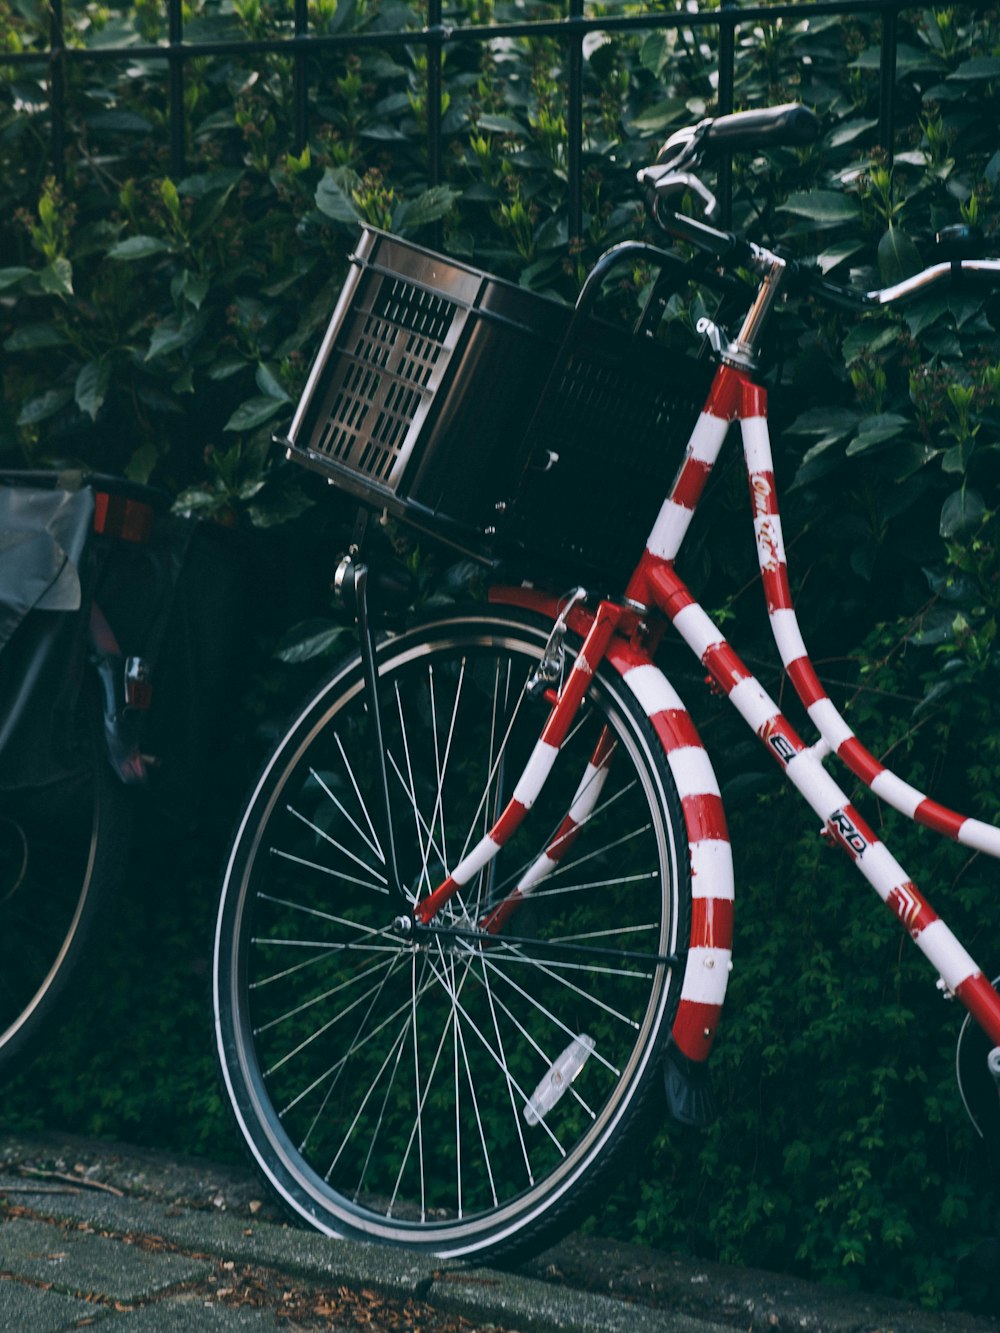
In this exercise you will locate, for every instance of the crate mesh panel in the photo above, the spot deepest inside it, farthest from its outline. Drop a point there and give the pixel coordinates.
(619, 433)
(383, 376)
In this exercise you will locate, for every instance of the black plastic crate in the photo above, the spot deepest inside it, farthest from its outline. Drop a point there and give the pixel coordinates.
(491, 417)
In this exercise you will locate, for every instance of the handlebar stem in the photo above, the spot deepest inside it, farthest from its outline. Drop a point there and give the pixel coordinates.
(745, 347)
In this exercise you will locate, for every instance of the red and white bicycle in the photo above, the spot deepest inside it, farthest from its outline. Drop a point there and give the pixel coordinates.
(482, 895)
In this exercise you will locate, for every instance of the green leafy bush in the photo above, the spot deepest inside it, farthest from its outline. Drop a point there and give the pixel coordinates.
(163, 327)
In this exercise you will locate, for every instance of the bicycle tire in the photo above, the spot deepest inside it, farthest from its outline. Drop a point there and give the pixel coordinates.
(380, 1082)
(62, 854)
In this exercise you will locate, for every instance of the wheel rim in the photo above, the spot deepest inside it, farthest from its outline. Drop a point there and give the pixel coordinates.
(48, 844)
(384, 1080)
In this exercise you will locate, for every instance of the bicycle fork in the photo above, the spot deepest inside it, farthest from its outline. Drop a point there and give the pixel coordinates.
(529, 786)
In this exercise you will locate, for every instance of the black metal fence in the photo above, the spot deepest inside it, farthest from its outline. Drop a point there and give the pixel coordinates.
(302, 45)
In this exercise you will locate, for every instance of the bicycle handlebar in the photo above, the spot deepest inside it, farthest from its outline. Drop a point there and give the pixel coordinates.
(674, 174)
(952, 272)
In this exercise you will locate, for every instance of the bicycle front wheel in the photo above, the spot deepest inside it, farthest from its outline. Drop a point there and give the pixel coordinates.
(463, 1087)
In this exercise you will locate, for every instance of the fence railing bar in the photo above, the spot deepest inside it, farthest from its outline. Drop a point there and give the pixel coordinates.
(743, 14)
(434, 36)
(574, 124)
(725, 94)
(57, 89)
(301, 46)
(887, 81)
(176, 56)
(435, 60)
(300, 81)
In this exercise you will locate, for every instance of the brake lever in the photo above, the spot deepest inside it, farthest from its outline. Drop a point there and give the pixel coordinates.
(665, 182)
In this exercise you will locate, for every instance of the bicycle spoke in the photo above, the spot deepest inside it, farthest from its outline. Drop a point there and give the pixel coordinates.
(327, 870)
(313, 1036)
(322, 833)
(394, 1055)
(593, 884)
(417, 1131)
(547, 1013)
(333, 1082)
(338, 1064)
(369, 843)
(421, 824)
(546, 1059)
(479, 1120)
(361, 801)
(324, 995)
(512, 879)
(325, 916)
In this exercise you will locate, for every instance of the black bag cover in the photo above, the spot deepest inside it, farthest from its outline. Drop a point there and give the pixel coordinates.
(45, 593)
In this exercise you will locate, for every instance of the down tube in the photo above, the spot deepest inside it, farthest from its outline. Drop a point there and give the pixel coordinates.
(842, 823)
(709, 953)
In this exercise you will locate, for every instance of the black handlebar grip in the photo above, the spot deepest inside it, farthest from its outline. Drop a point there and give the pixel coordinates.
(792, 124)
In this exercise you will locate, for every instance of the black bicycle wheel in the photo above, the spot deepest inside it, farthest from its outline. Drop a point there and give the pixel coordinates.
(62, 848)
(455, 1089)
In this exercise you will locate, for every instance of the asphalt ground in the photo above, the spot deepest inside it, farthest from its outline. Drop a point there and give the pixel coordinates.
(103, 1235)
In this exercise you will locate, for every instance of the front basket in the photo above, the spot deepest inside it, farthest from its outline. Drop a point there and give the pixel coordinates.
(491, 417)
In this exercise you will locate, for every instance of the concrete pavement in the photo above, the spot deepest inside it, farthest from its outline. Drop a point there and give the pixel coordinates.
(100, 1235)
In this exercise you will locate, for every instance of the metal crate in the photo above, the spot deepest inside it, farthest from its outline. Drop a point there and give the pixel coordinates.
(493, 418)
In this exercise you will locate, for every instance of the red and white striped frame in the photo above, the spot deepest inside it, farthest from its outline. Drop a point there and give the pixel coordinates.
(581, 808)
(822, 713)
(734, 396)
(709, 952)
(710, 949)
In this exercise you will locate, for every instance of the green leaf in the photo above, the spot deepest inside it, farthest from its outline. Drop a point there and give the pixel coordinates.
(128, 121)
(898, 257)
(962, 511)
(219, 180)
(836, 254)
(138, 247)
(57, 278)
(308, 639)
(30, 337)
(936, 626)
(655, 52)
(826, 208)
(173, 334)
(908, 59)
(279, 505)
(875, 431)
(979, 67)
(332, 196)
(384, 133)
(254, 412)
(194, 287)
(44, 406)
(921, 316)
(227, 366)
(500, 125)
(849, 130)
(92, 386)
(198, 500)
(140, 466)
(269, 384)
(430, 206)
(657, 118)
(869, 337)
(10, 277)
(820, 420)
